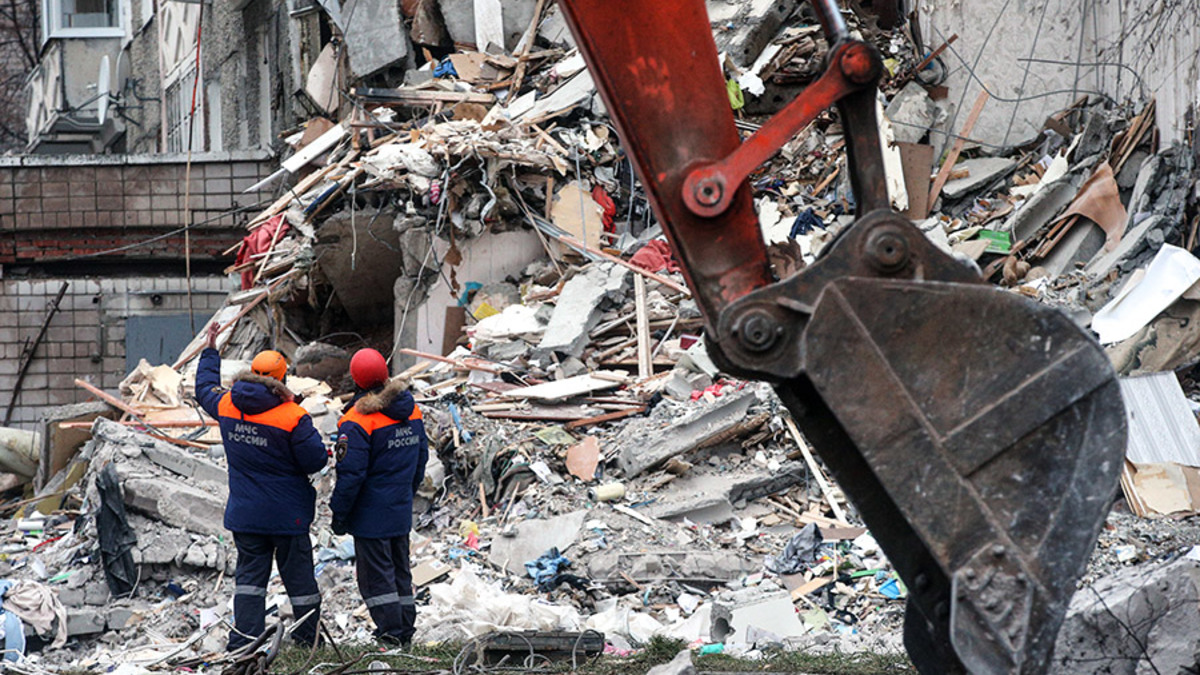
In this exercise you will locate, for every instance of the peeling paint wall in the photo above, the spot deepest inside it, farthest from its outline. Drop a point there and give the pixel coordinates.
(486, 259)
(1037, 57)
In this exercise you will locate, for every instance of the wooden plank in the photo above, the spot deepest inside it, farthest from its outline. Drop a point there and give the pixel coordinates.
(243, 312)
(415, 369)
(469, 363)
(421, 96)
(343, 183)
(645, 367)
(819, 475)
(842, 533)
(289, 195)
(944, 174)
(317, 147)
(607, 417)
(917, 160)
(262, 265)
(538, 413)
(452, 327)
(168, 424)
(579, 245)
(925, 62)
(527, 44)
(1133, 138)
(615, 349)
(826, 181)
(483, 500)
(108, 398)
(811, 587)
(621, 508)
(497, 387)
(564, 389)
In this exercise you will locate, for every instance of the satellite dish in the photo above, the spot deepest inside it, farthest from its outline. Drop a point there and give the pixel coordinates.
(103, 87)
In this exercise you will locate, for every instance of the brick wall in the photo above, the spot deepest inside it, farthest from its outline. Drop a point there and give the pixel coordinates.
(86, 338)
(53, 208)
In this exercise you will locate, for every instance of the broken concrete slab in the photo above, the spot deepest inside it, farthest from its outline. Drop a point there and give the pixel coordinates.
(321, 361)
(662, 565)
(754, 24)
(175, 503)
(694, 496)
(118, 617)
(59, 445)
(1149, 175)
(578, 308)
(1079, 245)
(184, 464)
(376, 36)
(769, 612)
(1049, 201)
(682, 383)
(85, 621)
(459, 16)
(644, 447)
(554, 30)
(159, 547)
(532, 538)
(1145, 619)
(71, 597)
(912, 113)
(572, 386)
(504, 352)
(1100, 265)
(983, 171)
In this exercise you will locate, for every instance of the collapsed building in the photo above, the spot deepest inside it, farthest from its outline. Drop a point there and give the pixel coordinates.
(451, 192)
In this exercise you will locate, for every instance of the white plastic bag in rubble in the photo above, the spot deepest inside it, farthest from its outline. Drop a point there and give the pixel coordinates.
(477, 606)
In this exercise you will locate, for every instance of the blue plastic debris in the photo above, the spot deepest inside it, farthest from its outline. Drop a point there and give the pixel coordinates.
(445, 69)
(892, 589)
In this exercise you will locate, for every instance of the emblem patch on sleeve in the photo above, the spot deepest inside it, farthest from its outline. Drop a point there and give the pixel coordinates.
(339, 448)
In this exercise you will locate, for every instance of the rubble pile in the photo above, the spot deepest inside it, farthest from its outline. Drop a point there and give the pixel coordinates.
(594, 469)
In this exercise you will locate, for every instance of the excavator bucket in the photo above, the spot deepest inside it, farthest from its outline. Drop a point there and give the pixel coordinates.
(981, 437)
(979, 434)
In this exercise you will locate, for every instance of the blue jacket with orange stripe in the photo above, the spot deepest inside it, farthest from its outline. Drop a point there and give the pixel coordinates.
(381, 451)
(270, 445)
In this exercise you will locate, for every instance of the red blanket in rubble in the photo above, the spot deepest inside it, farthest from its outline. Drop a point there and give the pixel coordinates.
(259, 241)
(655, 256)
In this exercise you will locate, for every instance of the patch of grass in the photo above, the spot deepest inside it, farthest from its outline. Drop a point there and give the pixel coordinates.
(418, 658)
(660, 650)
(860, 663)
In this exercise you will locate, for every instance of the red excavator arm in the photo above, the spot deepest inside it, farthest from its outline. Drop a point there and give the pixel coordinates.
(979, 434)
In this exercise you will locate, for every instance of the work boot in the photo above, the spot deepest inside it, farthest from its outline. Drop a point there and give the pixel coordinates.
(390, 640)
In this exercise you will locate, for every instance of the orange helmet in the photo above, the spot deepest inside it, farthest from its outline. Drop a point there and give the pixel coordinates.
(269, 363)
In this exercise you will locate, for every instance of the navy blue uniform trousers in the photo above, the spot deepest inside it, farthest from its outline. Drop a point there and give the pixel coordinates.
(293, 554)
(385, 581)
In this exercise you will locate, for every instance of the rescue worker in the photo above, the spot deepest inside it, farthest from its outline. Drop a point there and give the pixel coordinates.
(381, 452)
(271, 447)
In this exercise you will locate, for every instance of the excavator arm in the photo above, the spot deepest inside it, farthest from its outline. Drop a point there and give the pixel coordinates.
(979, 434)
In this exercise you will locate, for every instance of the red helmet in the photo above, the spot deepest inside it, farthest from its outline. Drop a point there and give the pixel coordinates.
(368, 368)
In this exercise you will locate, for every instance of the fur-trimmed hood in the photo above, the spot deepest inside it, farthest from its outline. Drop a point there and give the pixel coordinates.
(392, 399)
(254, 394)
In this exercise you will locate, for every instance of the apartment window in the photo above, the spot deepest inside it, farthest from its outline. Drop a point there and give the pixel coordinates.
(83, 18)
(178, 103)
